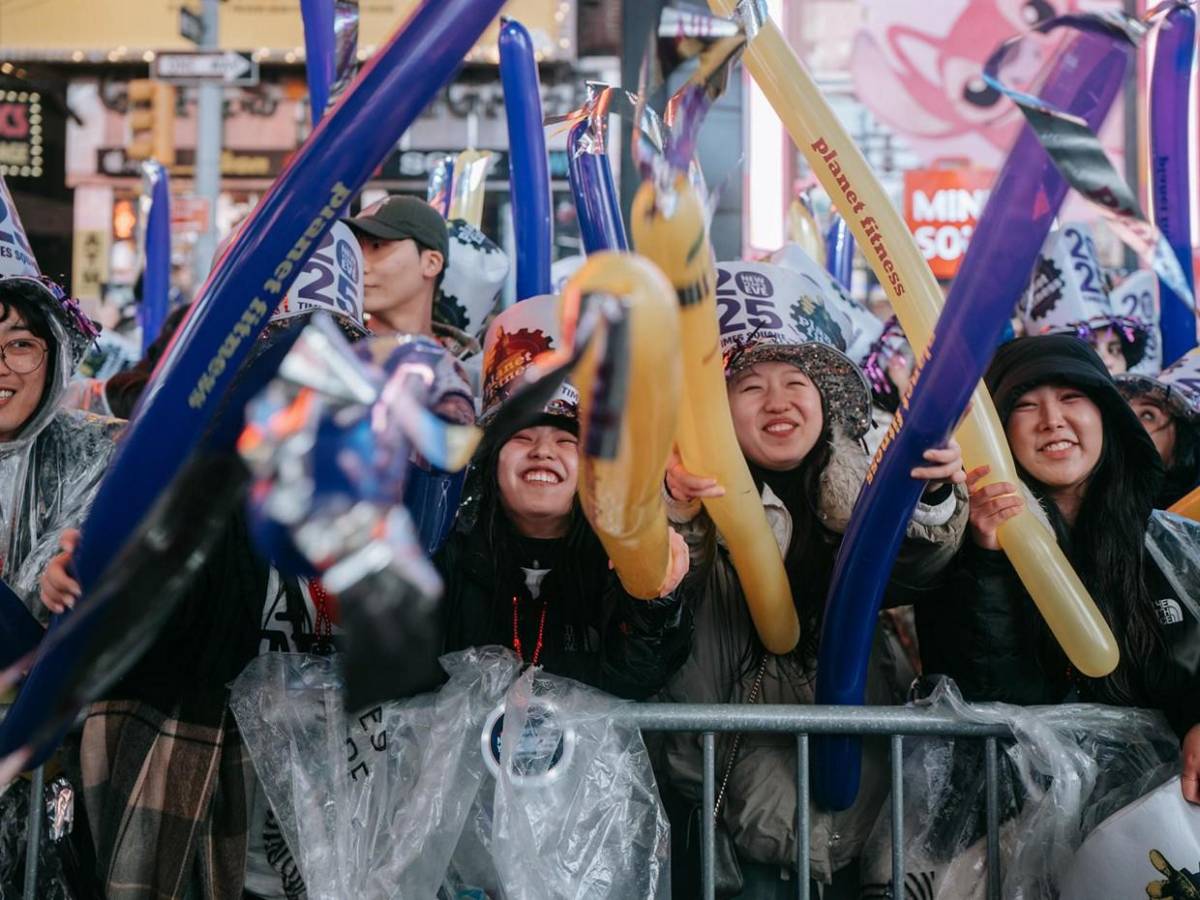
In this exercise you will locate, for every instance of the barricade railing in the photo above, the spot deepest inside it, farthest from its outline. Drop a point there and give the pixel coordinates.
(895, 722)
(708, 720)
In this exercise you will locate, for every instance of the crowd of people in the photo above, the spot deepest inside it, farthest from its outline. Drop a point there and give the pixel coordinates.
(170, 804)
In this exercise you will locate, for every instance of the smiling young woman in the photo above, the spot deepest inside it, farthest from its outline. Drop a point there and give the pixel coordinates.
(51, 459)
(523, 568)
(800, 410)
(1084, 456)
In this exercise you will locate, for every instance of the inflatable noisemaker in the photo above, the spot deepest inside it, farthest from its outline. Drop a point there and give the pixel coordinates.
(1067, 294)
(597, 202)
(156, 276)
(330, 444)
(1086, 77)
(669, 227)
(891, 251)
(1188, 507)
(469, 187)
(528, 164)
(1171, 103)
(839, 251)
(330, 50)
(630, 376)
(441, 185)
(232, 308)
(803, 229)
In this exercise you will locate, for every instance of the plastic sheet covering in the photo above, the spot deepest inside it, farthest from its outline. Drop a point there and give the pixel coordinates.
(14, 823)
(1174, 544)
(371, 803)
(577, 812)
(1070, 767)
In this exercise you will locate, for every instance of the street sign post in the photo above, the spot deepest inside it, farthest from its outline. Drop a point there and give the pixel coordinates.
(224, 67)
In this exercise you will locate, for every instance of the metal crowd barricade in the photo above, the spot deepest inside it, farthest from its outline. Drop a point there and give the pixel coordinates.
(895, 722)
(802, 721)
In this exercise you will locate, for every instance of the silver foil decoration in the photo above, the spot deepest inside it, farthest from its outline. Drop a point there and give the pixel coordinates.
(345, 48)
(60, 808)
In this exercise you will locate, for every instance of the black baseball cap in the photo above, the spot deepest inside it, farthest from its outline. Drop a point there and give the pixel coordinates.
(400, 217)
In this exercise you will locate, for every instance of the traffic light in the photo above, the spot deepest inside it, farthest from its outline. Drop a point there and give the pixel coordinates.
(151, 121)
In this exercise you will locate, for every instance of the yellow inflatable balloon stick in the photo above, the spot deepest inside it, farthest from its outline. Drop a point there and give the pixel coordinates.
(1188, 507)
(804, 231)
(892, 253)
(469, 187)
(637, 351)
(674, 235)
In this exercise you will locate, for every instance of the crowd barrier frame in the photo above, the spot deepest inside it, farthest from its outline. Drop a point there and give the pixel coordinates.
(894, 722)
(711, 719)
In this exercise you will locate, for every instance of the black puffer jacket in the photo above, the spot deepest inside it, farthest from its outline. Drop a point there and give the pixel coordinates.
(983, 629)
(593, 632)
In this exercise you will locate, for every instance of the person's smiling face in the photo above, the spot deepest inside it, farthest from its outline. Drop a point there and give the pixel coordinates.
(22, 373)
(1057, 435)
(776, 413)
(538, 472)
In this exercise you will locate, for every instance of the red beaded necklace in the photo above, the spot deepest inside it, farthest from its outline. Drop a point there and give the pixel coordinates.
(516, 642)
(326, 607)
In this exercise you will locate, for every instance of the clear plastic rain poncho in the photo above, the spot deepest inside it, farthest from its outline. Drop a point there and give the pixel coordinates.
(49, 473)
(375, 804)
(576, 808)
(1070, 767)
(372, 803)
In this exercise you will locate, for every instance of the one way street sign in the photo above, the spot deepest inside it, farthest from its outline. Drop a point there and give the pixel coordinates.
(225, 66)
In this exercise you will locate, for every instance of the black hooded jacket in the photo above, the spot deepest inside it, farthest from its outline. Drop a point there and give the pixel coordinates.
(590, 629)
(982, 628)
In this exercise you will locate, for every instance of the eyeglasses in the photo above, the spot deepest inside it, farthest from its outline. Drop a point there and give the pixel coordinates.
(23, 355)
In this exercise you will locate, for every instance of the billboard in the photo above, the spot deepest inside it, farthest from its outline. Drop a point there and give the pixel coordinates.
(62, 27)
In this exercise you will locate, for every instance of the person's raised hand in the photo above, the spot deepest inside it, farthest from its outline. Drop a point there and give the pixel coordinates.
(1189, 753)
(991, 506)
(678, 567)
(945, 465)
(684, 487)
(59, 590)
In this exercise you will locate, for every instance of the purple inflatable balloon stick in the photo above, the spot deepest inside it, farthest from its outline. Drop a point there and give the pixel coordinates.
(1087, 77)
(1170, 103)
(233, 307)
(156, 278)
(528, 164)
(596, 199)
(839, 251)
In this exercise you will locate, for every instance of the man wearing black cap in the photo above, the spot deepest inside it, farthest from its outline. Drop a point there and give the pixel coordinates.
(405, 247)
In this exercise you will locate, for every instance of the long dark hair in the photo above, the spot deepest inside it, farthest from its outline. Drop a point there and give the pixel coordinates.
(808, 560)
(1106, 546)
(581, 575)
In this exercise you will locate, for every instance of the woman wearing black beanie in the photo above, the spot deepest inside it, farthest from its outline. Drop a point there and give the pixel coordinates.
(1094, 471)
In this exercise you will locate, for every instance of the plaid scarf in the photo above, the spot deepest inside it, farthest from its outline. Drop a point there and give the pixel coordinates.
(166, 802)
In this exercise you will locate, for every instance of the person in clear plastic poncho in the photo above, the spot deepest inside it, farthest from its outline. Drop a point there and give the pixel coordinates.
(51, 459)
